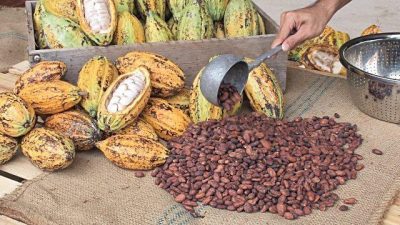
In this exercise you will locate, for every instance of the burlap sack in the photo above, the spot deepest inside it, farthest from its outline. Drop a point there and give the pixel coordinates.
(13, 37)
(94, 191)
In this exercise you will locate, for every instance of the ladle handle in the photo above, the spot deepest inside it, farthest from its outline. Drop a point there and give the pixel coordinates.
(257, 62)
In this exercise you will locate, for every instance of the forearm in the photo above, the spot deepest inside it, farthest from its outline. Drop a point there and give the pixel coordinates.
(331, 6)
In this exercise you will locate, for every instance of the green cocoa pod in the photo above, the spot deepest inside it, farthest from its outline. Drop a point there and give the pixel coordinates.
(241, 19)
(216, 8)
(158, 6)
(129, 30)
(156, 29)
(124, 6)
(173, 26)
(177, 6)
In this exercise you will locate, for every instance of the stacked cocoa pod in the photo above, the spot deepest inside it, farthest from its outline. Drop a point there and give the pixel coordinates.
(122, 109)
(72, 23)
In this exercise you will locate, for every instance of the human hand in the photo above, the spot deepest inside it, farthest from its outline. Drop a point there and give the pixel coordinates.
(302, 24)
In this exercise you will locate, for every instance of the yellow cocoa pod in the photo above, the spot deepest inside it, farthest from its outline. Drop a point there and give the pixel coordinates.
(124, 100)
(51, 97)
(240, 19)
(62, 8)
(98, 19)
(181, 100)
(264, 92)
(16, 116)
(167, 121)
(373, 29)
(43, 71)
(129, 30)
(76, 125)
(94, 78)
(133, 152)
(140, 128)
(8, 148)
(156, 29)
(167, 79)
(47, 149)
(263, 29)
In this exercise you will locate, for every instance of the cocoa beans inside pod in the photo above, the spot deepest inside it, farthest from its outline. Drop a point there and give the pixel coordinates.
(17, 117)
(48, 149)
(43, 71)
(167, 79)
(8, 148)
(98, 19)
(133, 152)
(324, 58)
(124, 100)
(76, 125)
(167, 121)
(51, 97)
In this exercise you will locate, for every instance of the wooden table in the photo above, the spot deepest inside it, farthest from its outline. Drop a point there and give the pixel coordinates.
(19, 169)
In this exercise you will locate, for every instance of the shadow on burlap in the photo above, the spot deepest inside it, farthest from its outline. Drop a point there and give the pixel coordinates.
(93, 191)
(13, 37)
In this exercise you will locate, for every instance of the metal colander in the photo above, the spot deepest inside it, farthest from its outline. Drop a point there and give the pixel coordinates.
(373, 74)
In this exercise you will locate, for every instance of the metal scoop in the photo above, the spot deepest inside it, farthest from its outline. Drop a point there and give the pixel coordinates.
(229, 69)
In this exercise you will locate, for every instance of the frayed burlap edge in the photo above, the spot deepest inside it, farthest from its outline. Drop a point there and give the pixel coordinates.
(387, 200)
(13, 196)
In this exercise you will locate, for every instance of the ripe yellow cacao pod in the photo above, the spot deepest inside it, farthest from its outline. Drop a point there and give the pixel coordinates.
(219, 30)
(157, 6)
(167, 79)
(167, 121)
(129, 30)
(16, 116)
(98, 19)
(94, 78)
(62, 8)
(77, 126)
(262, 28)
(140, 128)
(240, 19)
(51, 97)
(373, 29)
(133, 152)
(181, 100)
(47, 149)
(124, 100)
(8, 148)
(264, 92)
(156, 29)
(43, 71)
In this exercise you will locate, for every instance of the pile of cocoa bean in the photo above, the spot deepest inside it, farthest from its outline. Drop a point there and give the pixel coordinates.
(251, 163)
(228, 96)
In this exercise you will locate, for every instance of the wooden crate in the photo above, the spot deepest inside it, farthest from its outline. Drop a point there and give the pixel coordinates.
(191, 56)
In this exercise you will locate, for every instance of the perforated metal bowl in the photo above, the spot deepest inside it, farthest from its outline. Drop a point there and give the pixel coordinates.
(373, 74)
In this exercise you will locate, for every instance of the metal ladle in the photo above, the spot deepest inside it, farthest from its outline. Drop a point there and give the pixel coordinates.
(229, 69)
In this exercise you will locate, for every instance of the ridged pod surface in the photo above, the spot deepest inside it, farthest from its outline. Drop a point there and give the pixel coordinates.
(76, 125)
(240, 19)
(43, 71)
(195, 23)
(62, 8)
(129, 30)
(156, 29)
(173, 27)
(167, 121)
(216, 8)
(133, 152)
(47, 149)
(101, 23)
(94, 78)
(181, 100)
(219, 31)
(124, 6)
(325, 58)
(16, 116)
(177, 6)
(373, 29)
(62, 33)
(140, 128)
(38, 27)
(167, 79)
(264, 92)
(201, 109)
(112, 121)
(8, 148)
(158, 6)
(262, 28)
(51, 97)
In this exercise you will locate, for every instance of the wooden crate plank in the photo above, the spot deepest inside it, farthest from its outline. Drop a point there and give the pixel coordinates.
(7, 186)
(20, 166)
(7, 81)
(8, 221)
